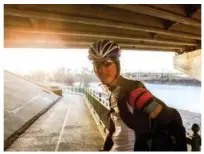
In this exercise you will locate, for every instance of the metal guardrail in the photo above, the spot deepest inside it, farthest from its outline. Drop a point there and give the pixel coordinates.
(96, 100)
(73, 89)
(99, 104)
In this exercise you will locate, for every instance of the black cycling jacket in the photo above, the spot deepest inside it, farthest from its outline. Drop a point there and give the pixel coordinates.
(165, 118)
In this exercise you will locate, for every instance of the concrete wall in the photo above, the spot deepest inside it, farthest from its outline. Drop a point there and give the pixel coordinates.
(189, 63)
(23, 102)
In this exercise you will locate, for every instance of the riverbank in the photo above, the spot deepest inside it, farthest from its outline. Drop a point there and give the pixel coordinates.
(182, 83)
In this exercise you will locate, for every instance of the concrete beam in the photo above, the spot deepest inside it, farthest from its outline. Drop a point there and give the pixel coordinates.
(142, 9)
(191, 10)
(85, 46)
(101, 36)
(189, 63)
(90, 21)
(88, 43)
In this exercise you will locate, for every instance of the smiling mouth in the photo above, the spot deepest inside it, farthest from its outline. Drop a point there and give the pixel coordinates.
(105, 75)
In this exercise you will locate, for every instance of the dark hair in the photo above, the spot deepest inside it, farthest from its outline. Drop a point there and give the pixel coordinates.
(195, 128)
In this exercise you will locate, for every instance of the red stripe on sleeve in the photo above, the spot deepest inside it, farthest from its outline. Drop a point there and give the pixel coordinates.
(143, 99)
(134, 94)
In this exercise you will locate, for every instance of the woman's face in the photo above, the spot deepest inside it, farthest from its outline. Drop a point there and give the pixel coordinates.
(105, 70)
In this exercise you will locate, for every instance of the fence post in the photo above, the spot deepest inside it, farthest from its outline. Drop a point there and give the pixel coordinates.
(99, 97)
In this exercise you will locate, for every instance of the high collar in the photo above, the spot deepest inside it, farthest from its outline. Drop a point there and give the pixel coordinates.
(118, 82)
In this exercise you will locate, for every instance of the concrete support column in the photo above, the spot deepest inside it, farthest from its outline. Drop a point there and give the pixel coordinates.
(189, 63)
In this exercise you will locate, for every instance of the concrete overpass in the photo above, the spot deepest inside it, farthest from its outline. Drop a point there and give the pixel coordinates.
(145, 27)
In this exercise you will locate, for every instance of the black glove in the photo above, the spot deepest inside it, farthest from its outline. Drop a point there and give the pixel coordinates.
(101, 149)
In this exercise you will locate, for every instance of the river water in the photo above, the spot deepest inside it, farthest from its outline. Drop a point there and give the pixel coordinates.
(178, 96)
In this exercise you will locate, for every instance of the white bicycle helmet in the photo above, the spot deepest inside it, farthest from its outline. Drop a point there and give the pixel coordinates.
(103, 49)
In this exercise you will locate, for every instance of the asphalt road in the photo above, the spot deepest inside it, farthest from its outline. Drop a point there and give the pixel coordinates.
(67, 126)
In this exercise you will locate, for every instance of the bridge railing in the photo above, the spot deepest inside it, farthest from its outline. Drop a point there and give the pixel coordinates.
(72, 89)
(97, 100)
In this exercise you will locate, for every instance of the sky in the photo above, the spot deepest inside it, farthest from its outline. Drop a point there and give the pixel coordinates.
(24, 61)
